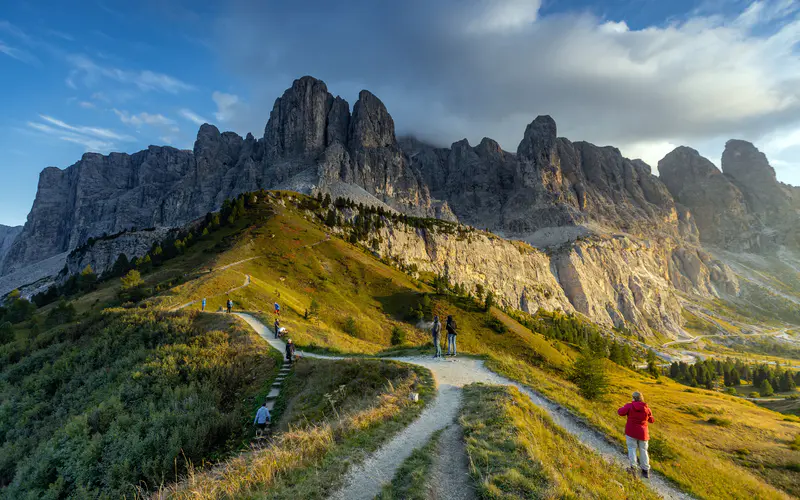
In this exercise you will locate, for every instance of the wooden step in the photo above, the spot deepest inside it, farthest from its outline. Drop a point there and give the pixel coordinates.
(273, 394)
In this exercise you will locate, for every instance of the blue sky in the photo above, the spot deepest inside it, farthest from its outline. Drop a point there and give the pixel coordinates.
(643, 75)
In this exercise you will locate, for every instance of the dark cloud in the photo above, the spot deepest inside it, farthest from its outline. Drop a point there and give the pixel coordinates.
(451, 69)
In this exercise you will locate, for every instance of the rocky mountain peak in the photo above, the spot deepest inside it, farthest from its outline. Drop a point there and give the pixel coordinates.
(751, 171)
(371, 125)
(540, 138)
(489, 148)
(297, 125)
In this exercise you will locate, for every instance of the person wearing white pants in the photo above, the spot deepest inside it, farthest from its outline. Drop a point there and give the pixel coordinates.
(636, 432)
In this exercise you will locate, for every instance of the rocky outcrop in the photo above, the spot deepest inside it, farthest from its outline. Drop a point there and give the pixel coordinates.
(7, 236)
(549, 183)
(615, 281)
(103, 253)
(718, 206)
(741, 208)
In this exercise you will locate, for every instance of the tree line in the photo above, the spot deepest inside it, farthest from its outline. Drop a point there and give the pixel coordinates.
(712, 373)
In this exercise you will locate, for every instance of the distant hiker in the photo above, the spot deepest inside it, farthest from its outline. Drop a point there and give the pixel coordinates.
(636, 433)
(289, 351)
(436, 330)
(262, 417)
(230, 305)
(277, 309)
(451, 336)
(277, 327)
(203, 304)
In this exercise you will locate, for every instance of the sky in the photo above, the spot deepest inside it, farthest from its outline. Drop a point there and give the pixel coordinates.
(642, 75)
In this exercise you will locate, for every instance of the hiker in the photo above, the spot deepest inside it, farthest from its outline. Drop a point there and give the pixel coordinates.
(203, 304)
(277, 309)
(289, 351)
(277, 327)
(451, 336)
(230, 305)
(436, 330)
(262, 418)
(636, 433)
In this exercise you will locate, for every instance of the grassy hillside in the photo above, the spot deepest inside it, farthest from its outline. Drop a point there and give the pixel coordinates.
(93, 409)
(516, 451)
(336, 413)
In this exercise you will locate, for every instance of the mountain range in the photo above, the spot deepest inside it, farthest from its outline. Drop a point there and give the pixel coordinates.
(552, 193)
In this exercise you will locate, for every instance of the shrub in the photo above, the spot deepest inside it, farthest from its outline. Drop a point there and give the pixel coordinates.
(731, 391)
(132, 280)
(350, 327)
(719, 421)
(313, 309)
(754, 394)
(795, 444)
(6, 332)
(64, 312)
(495, 324)
(589, 374)
(660, 450)
(398, 335)
(766, 389)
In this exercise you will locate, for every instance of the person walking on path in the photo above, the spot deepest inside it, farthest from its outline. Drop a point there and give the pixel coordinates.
(262, 418)
(277, 309)
(451, 336)
(436, 331)
(277, 327)
(230, 305)
(636, 432)
(203, 304)
(289, 351)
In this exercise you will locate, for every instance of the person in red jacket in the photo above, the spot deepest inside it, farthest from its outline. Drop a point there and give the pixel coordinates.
(636, 434)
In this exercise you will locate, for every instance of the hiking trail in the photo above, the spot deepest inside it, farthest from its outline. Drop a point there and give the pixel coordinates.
(365, 480)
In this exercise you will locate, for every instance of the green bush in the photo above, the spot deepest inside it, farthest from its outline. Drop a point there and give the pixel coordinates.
(350, 327)
(719, 421)
(495, 324)
(121, 400)
(589, 374)
(660, 450)
(398, 335)
(754, 394)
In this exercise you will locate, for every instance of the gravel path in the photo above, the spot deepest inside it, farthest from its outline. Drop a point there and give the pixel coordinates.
(246, 283)
(450, 477)
(451, 374)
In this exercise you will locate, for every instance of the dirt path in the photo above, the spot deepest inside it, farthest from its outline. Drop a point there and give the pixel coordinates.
(450, 476)
(246, 283)
(364, 481)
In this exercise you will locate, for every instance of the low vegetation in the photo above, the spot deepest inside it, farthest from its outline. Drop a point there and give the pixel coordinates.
(93, 409)
(516, 451)
(336, 414)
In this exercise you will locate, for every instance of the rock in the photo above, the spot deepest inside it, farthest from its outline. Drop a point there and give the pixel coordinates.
(371, 125)
(717, 205)
(297, 125)
(7, 236)
(750, 170)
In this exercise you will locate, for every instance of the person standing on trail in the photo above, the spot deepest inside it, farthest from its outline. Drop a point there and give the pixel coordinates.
(230, 305)
(636, 433)
(277, 309)
(436, 330)
(277, 327)
(451, 336)
(203, 304)
(289, 351)
(262, 418)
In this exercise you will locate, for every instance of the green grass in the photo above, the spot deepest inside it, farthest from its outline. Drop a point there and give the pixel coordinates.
(92, 410)
(318, 439)
(411, 482)
(516, 451)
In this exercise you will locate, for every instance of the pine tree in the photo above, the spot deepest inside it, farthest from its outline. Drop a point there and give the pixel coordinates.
(132, 280)
(765, 389)
(87, 280)
(589, 374)
(652, 364)
(489, 302)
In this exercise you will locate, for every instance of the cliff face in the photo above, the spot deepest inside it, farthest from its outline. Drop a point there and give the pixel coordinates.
(615, 281)
(549, 183)
(7, 236)
(742, 207)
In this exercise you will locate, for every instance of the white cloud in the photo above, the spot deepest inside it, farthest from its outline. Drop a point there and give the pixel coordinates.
(192, 116)
(86, 105)
(66, 133)
(502, 16)
(157, 120)
(695, 82)
(227, 106)
(91, 73)
(91, 131)
(18, 54)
